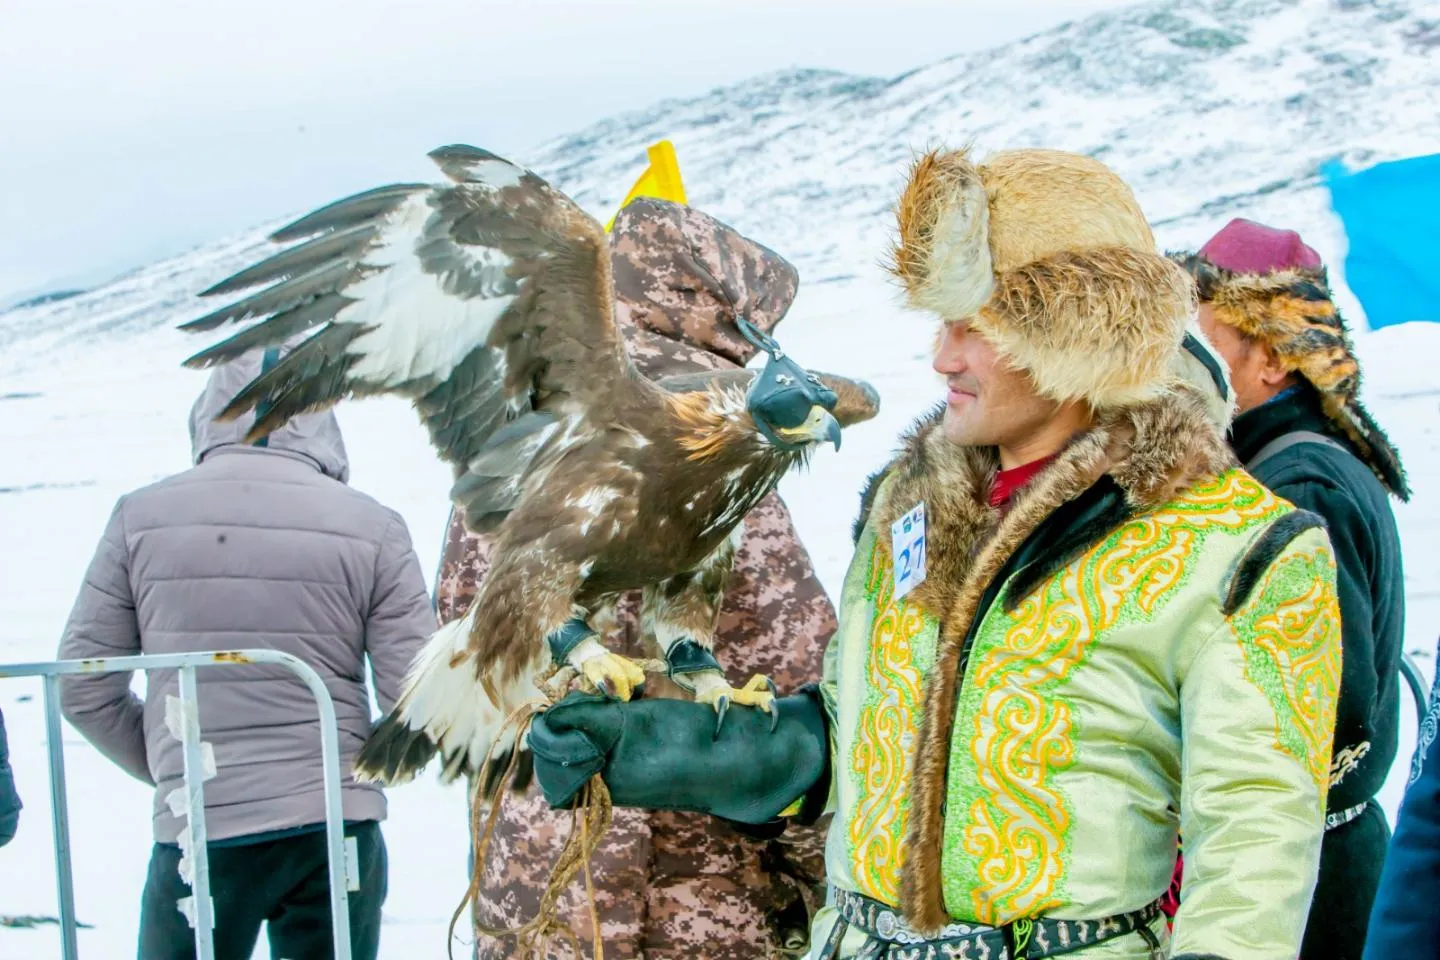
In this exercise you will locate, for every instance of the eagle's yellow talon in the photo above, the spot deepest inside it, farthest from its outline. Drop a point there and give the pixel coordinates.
(614, 675)
(759, 692)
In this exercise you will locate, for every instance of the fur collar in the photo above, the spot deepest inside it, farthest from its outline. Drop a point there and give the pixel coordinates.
(1153, 451)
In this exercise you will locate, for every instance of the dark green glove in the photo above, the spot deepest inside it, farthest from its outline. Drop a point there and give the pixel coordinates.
(663, 754)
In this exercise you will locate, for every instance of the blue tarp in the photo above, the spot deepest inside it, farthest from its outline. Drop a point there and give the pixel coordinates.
(1391, 213)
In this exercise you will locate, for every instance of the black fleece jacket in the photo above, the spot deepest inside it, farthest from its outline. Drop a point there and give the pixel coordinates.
(1355, 507)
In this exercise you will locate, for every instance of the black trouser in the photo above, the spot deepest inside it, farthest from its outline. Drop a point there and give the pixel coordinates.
(1350, 862)
(283, 884)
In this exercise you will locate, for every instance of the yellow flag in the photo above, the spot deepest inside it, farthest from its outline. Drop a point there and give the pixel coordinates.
(660, 180)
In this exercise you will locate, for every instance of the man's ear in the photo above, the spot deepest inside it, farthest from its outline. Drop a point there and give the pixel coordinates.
(1273, 373)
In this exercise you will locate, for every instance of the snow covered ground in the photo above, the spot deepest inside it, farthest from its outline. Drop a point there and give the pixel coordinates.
(93, 401)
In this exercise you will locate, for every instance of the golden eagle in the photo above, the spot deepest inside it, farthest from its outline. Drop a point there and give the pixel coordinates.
(487, 301)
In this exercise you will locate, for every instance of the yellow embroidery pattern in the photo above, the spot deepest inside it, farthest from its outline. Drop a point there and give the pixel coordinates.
(1006, 833)
(883, 753)
(1289, 632)
(1346, 761)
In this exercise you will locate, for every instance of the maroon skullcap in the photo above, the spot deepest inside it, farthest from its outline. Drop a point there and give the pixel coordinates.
(1244, 246)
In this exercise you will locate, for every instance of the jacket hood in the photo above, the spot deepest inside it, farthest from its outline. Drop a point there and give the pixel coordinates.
(681, 279)
(315, 436)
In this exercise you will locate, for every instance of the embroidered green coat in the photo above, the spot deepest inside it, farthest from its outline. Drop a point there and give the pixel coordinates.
(1146, 646)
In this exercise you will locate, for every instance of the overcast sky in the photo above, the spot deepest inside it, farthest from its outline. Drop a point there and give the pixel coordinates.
(134, 129)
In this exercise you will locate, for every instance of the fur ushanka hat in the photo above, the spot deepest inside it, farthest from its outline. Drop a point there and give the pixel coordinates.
(1270, 286)
(1048, 256)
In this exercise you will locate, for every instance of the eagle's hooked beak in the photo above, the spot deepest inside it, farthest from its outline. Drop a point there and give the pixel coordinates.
(818, 427)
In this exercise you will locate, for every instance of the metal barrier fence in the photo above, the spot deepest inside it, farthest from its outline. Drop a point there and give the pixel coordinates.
(1416, 682)
(187, 664)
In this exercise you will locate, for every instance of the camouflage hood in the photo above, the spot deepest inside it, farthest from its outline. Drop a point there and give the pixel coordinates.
(681, 278)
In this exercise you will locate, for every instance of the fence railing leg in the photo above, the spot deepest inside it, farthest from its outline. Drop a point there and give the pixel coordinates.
(60, 814)
(195, 821)
(334, 819)
(1416, 682)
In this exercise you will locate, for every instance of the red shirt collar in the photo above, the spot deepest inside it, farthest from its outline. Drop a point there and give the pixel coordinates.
(1008, 481)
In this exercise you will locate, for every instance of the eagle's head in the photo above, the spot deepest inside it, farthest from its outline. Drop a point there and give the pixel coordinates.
(787, 410)
(792, 407)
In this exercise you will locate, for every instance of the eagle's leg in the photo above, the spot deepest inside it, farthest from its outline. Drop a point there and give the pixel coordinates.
(682, 614)
(574, 643)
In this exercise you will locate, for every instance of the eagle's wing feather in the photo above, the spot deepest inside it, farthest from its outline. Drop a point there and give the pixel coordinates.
(482, 300)
(494, 479)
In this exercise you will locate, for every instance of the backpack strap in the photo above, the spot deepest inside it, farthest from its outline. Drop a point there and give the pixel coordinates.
(1287, 440)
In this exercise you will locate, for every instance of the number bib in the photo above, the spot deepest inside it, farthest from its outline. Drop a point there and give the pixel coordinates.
(907, 546)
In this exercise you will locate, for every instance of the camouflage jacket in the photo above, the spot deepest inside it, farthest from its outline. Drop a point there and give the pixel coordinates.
(673, 885)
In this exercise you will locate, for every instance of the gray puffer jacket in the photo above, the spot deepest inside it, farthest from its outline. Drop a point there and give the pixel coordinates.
(253, 547)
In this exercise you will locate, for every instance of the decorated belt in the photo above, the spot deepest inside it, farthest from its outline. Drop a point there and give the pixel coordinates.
(1341, 817)
(888, 937)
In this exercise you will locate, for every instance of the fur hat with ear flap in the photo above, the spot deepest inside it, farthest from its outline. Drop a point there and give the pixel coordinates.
(1048, 256)
(1270, 286)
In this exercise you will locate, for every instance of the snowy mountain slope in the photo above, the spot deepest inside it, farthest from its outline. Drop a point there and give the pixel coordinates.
(1202, 106)
(1205, 106)
(1211, 109)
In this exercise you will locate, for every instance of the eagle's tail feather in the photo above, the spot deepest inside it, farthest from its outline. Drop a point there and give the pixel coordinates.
(443, 710)
(520, 779)
(394, 753)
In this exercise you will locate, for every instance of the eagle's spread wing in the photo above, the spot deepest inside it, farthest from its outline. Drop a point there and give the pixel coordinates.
(486, 301)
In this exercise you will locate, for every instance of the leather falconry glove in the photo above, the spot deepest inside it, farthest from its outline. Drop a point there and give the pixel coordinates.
(664, 754)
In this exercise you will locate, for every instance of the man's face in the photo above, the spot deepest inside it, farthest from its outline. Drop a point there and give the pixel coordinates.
(989, 402)
(1254, 373)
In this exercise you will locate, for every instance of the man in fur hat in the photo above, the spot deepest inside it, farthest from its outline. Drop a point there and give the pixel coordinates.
(1073, 628)
(1301, 431)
